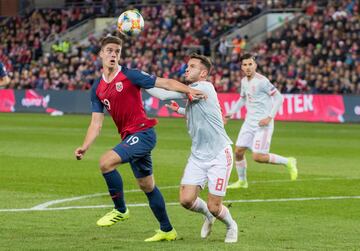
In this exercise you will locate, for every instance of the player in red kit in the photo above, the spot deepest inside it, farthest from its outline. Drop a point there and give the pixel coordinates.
(119, 91)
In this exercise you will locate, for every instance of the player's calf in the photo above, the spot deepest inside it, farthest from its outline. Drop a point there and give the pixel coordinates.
(214, 207)
(260, 157)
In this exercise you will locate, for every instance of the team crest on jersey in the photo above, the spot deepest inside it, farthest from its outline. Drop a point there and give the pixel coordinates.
(119, 86)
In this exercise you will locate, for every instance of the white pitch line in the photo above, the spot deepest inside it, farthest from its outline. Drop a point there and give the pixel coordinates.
(44, 206)
(176, 203)
(301, 180)
(53, 202)
(294, 199)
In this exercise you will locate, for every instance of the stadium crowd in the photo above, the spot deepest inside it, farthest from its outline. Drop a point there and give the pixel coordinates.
(22, 53)
(21, 45)
(318, 54)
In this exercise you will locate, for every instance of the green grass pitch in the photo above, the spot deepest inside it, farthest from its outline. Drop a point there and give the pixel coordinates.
(37, 166)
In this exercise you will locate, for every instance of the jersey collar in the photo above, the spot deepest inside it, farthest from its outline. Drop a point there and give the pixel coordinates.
(103, 76)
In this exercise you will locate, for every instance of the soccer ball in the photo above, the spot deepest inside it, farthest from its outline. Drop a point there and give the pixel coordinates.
(130, 23)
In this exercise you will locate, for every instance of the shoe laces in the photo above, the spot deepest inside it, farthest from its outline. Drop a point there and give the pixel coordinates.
(111, 212)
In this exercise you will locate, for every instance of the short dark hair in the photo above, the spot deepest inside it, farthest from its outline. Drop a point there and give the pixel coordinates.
(204, 60)
(248, 56)
(110, 40)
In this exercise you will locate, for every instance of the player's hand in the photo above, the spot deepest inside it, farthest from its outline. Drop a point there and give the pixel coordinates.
(173, 106)
(79, 153)
(196, 94)
(265, 121)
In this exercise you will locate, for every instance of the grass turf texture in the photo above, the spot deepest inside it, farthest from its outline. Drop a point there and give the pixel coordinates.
(37, 165)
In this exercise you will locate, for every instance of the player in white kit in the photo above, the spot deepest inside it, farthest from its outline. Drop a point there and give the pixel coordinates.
(262, 101)
(211, 157)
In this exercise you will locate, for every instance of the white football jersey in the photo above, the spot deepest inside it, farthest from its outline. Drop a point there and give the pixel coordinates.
(205, 124)
(257, 93)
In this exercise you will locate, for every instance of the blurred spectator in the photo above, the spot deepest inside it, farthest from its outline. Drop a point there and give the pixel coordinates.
(4, 78)
(318, 54)
(165, 41)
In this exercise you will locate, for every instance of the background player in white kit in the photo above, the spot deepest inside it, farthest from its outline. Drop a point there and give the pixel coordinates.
(211, 153)
(262, 102)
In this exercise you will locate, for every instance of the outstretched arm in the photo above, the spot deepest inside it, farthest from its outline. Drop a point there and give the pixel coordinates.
(174, 85)
(93, 131)
(240, 103)
(163, 94)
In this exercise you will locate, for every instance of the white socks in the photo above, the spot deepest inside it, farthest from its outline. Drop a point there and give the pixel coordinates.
(200, 206)
(277, 159)
(241, 168)
(225, 216)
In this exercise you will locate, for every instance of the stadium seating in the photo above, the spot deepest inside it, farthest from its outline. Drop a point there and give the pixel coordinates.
(300, 59)
(318, 54)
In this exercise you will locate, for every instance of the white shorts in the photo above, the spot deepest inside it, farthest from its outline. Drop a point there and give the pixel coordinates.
(256, 138)
(216, 172)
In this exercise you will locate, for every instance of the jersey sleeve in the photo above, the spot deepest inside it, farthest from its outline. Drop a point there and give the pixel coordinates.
(242, 90)
(163, 94)
(268, 88)
(206, 88)
(96, 105)
(3, 72)
(141, 78)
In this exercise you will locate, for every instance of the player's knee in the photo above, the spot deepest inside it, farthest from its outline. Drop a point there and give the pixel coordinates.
(260, 158)
(239, 154)
(142, 186)
(214, 208)
(146, 187)
(186, 202)
(105, 165)
(146, 184)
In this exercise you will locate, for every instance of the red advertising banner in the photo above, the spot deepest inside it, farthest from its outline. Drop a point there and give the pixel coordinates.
(7, 101)
(296, 107)
(299, 107)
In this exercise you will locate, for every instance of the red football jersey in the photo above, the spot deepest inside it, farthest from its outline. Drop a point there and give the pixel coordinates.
(122, 99)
